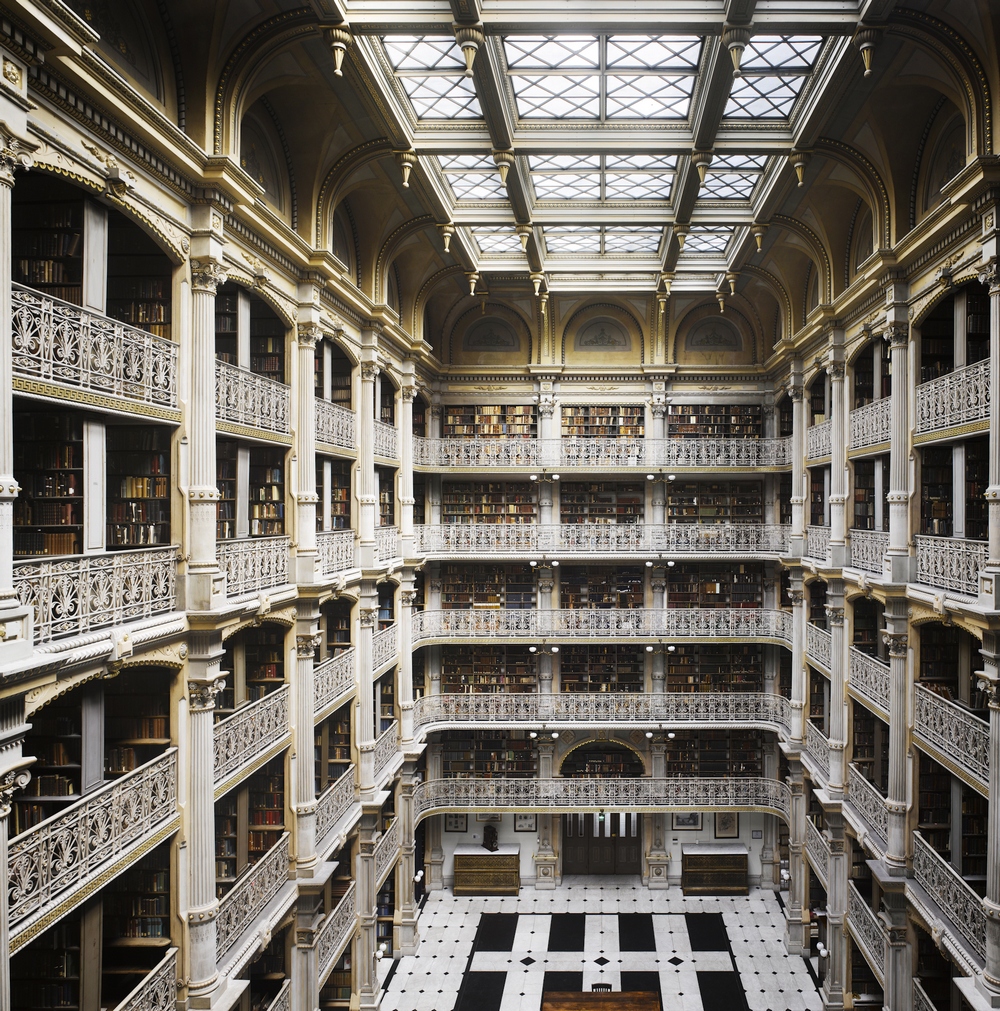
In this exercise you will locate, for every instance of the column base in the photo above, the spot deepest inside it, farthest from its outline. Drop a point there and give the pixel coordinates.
(657, 864)
(407, 938)
(796, 938)
(977, 994)
(989, 589)
(224, 995)
(15, 632)
(546, 871)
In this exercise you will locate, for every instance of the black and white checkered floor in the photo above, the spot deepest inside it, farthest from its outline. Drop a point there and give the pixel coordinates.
(702, 954)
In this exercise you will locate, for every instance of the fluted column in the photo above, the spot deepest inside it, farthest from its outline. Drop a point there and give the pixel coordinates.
(365, 940)
(838, 465)
(658, 429)
(305, 449)
(798, 499)
(548, 430)
(899, 456)
(404, 692)
(991, 277)
(367, 492)
(836, 913)
(658, 585)
(895, 638)
(365, 706)
(306, 640)
(989, 682)
(838, 686)
(408, 394)
(796, 938)
(406, 905)
(798, 702)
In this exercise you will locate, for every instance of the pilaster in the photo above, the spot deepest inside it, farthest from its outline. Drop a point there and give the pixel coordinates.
(307, 639)
(798, 499)
(366, 940)
(838, 454)
(307, 337)
(898, 557)
(406, 937)
(404, 690)
(365, 486)
(365, 704)
(796, 935)
(835, 979)
(988, 984)
(895, 637)
(838, 686)
(408, 394)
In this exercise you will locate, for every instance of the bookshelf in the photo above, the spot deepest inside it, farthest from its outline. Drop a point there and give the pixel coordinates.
(227, 324)
(977, 477)
(48, 465)
(385, 910)
(936, 491)
(817, 401)
(817, 496)
(601, 502)
(488, 667)
(46, 973)
(487, 585)
(937, 341)
(864, 495)
(341, 373)
(816, 602)
(939, 660)
(337, 621)
(337, 991)
(716, 502)
(419, 417)
(977, 324)
(868, 622)
(267, 491)
(581, 586)
(386, 606)
(975, 818)
(419, 498)
(785, 673)
(605, 760)
(268, 971)
(934, 805)
(267, 341)
(339, 472)
(870, 746)
(333, 747)
(226, 463)
(47, 237)
(602, 668)
(515, 420)
(488, 502)
(707, 584)
(715, 753)
(136, 719)
(864, 377)
(266, 808)
(785, 499)
(264, 659)
(864, 983)
(56, 740)
(319, 370)
(139, 278)
(731, 421)
(230, 843)
(592, 421)
(786, 417)
(386, 695)
(488, 754)
(934, 971)
(819, 693)
(714, 667)
(138, 462)
(386, 496)
(387, 402)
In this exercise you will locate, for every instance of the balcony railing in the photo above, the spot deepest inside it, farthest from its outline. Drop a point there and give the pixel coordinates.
(385, 646)
(684, 452)
(254, 563)
(867, 801)
(868, 548)
(675, 623)
(249, 732)
(386, 441)
(953, 732)
(283, 998)
(57, 342)
(921, 1002)
(90, 841)
(479, 453)
(332, 678)
(819, 853)
(819, 440)
(336, 551)
(955, 399)
(751, 709)
(476, 539)
(334, 802)
(817, 542)
(870, 678)
(385, 747)
(870, 424)
(867, 931)
(334, 935)
(951, 563)
(386, 544)
(336, 425)
(951, 893)
(245, 398)
(74, 595)
(819, 644)
(247, 899)
(386, 851)
(818, 746)
(651, 795)
(158, 991)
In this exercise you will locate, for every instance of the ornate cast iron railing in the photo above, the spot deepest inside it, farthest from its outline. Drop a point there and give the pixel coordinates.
(385, 646)
(870, 678)
(819, 644)
(951, 563)
(386, 441)
(870, 424)
(867, 801)
(245, 398)
(385, 747)
(254, 563)
(71, 596)
(246, 900)
(817, 542)
(332, 677)
(955, 399)
(334, 802)
(953, 731)
(336, 551)
(866, 929)
(818, 745)
(819, 440)
(951, 893)
(819, 853)
(335, 933)
(868, 548)
(158, 991)
(386, 544)
(336, 425)
(386, 850)
(249, 732)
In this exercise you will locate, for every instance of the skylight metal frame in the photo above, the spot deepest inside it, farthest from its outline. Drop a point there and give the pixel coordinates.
(436, 87)
(603, 178)
(593, 240)
(773, 71)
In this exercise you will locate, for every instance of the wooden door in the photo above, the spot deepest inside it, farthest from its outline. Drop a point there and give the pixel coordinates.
(591, 845)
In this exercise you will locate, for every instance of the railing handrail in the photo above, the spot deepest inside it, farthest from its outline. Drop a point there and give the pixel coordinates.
(868, 801)
(970, 744)
(333, 802)
(381, 749)
(866, 928)
(157, 990)
(817, 848)
(340, 680)
(255, 549)
(945, 400)
(267, 410)
(335, 931)
(952, 563)
(865, 669)
(268, 719)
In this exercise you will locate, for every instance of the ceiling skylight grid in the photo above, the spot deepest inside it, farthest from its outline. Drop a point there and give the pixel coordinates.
(602, 77)
(707, 239)
(472, 177)
(593, 239)
(602, 177)
(431, 70)
(494, 240)
(732, 177)
(773, 70)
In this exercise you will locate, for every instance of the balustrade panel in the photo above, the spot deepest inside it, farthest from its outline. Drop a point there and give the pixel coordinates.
(385, 747)
(819, 852)
(158, 991)
(952, 731)
(386, 441)
(254, 563)
(385, 646)
(817, 542)
(921, 1002)
(575, 451)
(958, 398)
(818, 746)
(386, 544)
(819, 644)
(870, 424)
(332, 678)
(867, 801)
(246, 900)
(870, 678)
(953, 896)
(336, 551)
(951, 563)
(866, 929)
(819, 440)
(249, 732)
(335, 933)
(386, 850)
(336, 425)
(868, 548)
(245, 398)
(334, 802)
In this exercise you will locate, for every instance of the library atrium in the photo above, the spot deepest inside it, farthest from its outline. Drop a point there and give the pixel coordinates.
(499, 503)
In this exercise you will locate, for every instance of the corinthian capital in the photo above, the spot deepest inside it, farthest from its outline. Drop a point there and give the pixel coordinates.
(896, 643)
(898, 334)
(367, 616)
(369, 370)
(835, 615)
(836, 370)
(14, 154)
(309, 334)
(201, 694)
(305, 645)
(10, 782)
(207, 275)
(407, 598)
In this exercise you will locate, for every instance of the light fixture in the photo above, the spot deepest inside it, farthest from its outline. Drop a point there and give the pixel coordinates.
(532, 734)
(406, 160)
(543, 650)
(671, 736)
(670, 564)
(533, 564)
(419, 876)
(649, 735)
(447, 231)
(473, 277)
(671, 477)
(554, 563)
(338, 39)
(650, 477)
(470, 39)
(649, 565)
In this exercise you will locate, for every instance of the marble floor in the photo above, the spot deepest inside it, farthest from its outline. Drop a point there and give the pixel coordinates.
(512, 980)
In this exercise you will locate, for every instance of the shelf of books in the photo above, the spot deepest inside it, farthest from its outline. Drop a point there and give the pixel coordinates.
(47, 237)
(385, 910)
(386, 697)
(785, 499)
(786, 417)
(934, 805)
(817, 496)
(264, 656)
(489, 502)
(266, 808)
(337, 617)
(487, 585)
(515, 420)
(864, 494)
(387, 403)
(419, 420)
(336, 993)
(715, 667)
(419, 499)
(333, 747)
(56, 741)
(977, 476)
(975, 819)
(267, 491)
(582, 586)
(603, 421)
(226, 456)
(386, 496)
(227, 324)
(268, 971)
(139, 278)
(46, 973)
(488, 667)
(816, 602)
(230, 843)
(136, 719)
(867, 623)
(870, 746)
(602, 668)
(715, 502)
(936, 491)
(715, 753)
(819, 693)
(698, 421)
(939, 659)
(977, 324)
(817, 401)
(694, 584)
(488, 754)
(601, 502)
(606, 760)
(267, 341)
(138, 461)
(340, 492)
(341, 372)
(937, 341)
(48, 465)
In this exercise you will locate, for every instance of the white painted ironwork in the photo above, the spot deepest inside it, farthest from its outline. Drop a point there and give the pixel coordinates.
(868, 548)
(254, 563)
(953, 731)
(74, 595)
(819, 852)
(952, 894)
(245, 398)
(819, 440)
(386, 850)
(866, 929)
(683, 452)
(336, 425)
(386, 544)
(602, 452)
(246, 900)
(468, 452)
(250, 731)
(385, 646)
(870, 678)
(819, 644)
(57, 342)
(958, 398)
(817, 542)
(157, 991)
(283, 999)
(951, 563)
(385, 747)
(386, 441)
(818, 746)
(336, 551)
(334, 802)
(709, 709)
(98, 835)
(870, 424)
(867, 801)
(921, 1002)
(335, 933)
(332, 678)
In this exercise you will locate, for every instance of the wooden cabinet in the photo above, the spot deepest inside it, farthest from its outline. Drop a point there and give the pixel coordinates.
(719, 869)
(480, 872)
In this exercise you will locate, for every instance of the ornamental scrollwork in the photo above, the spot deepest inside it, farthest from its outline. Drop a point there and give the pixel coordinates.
(10, 782)
(834, 614)
(202, 694)
(309, 334)
(306, 645)
(898, 334)
(369, 372)
(14, 154)
(367, 616)
(407, 598)
(896, 643)
(207, 275)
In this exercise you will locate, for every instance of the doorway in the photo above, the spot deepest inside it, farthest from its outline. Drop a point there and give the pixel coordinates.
(602, 843)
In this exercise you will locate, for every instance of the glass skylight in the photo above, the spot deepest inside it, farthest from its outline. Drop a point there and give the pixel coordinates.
(774, 70)
(601, 77)
(472, 177)
(493, 240)
(597, 177)
(707, 239)
(609, 239)
(431, 70)
(732, 177)
(572, 239)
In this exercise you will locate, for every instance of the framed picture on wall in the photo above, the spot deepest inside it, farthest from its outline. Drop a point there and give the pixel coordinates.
(686, 821)
(525, 822)
(727, 825)
(456, 823)
(492, 816)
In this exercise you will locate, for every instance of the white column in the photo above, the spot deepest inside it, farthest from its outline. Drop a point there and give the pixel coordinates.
(307, 638)
(895, 638)
(305, 449)
(899, 456)
(365, 705)
(799, 706)
(838, 686)
(408, 394)
(407, 937)
(991, 276)
(365, 941)
(838, 465)
(836, 913)
(366, 488)
(404, 692)
(989, 681)
(796, 938)
(799, 495)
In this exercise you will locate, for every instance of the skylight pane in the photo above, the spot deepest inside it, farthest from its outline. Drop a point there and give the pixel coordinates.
(738, 161)
(648, 162)
(567, 186)
(637, 186)
(552, 52)
(728, 186)
(632, 240)
(480, 162)
(654, 52)
(491, 241)
(423, 52)
(559, 162)
(781, 52)
(702, 239)
(555, 96)
(761, 97)
(572, 240)
(648, 97)
(477, 186)
(442, 97)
